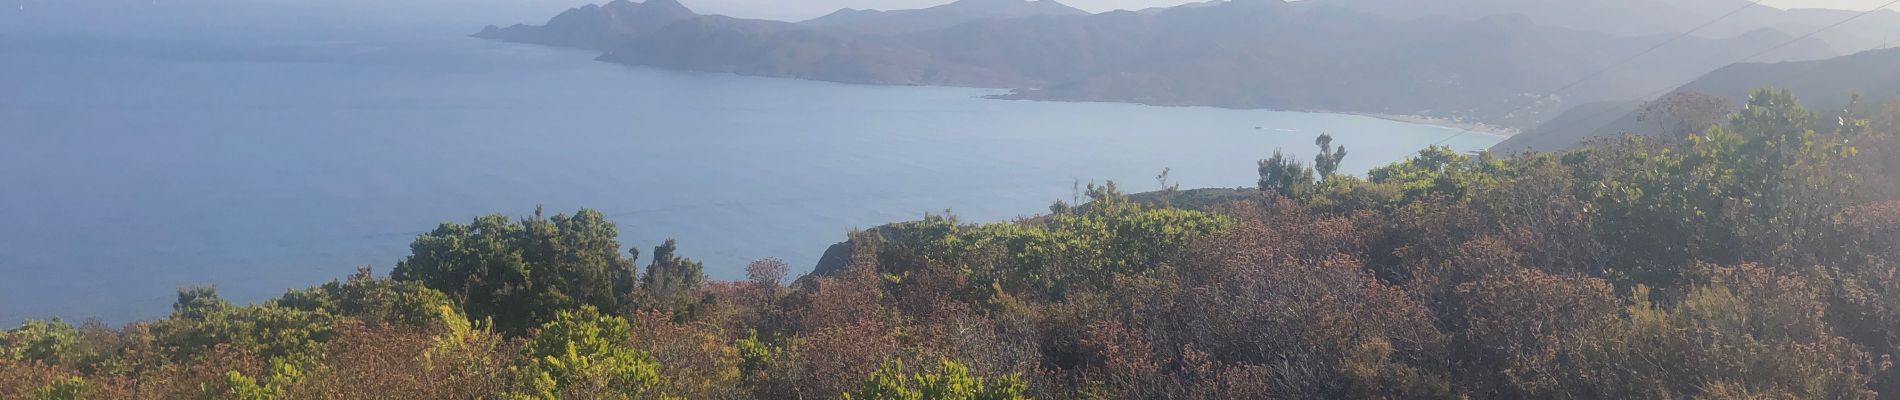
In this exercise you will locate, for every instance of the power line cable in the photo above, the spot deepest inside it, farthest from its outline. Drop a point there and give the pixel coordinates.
(1791, 77)
(1823, 29)
(1619, 63)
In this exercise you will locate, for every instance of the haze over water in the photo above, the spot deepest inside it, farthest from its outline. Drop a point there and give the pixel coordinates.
(151, 152)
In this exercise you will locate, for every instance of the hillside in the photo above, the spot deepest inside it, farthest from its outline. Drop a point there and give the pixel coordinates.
(782, 49)
(1241, 53)
(1824, 84)
(1572, 126)
(597, 27)
(1271, 55)
(1642, 17)
(939, 17)
(1622, 17)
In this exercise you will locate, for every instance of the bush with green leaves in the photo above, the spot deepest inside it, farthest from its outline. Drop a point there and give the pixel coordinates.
(202, 321)
(585, 354)
(1767, 187)
(1438, 171)
(47, 341)
(374, 300)
(1083, 248)
(951, 381)
(72, 388)
(521, 273)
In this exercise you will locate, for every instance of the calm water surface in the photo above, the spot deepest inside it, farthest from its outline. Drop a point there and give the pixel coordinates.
(132, 164)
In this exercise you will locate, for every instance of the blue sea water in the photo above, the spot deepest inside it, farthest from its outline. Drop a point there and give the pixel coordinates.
(144, 151)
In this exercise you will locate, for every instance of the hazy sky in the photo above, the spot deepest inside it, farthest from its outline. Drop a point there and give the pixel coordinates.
(1841, 4)
(802, 9)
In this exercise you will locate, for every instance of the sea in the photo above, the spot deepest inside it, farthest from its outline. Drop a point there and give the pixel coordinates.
(264, 145)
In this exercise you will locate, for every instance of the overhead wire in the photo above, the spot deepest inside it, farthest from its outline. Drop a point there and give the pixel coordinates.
(1744, 59)
(1612, 66)
(1785, 80)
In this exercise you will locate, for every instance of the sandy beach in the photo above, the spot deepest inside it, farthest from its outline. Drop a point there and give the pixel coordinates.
(1474, 127)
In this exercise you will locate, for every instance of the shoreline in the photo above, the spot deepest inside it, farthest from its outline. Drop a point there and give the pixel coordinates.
(1480, 128)
(1022, 94)
(1017, 94)
(1473, 127)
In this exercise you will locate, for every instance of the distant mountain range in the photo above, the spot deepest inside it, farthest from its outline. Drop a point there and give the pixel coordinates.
(939, 17)
(596, 26)
(1315, 55)
(1651, 17)
(1824, 86)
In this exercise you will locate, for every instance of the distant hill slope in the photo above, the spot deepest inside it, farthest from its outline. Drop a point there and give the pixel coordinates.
(1621, 17)
(939, 17)
(1870, 32)
(1650, 17)
(1823, 85)
(783, 49)
(1274, 55)
(1240, 53)
(1571, 127)
(598, 27)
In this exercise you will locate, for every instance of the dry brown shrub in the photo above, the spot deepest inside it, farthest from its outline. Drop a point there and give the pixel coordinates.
(1530, 327)
(398, 362)
(696, 360)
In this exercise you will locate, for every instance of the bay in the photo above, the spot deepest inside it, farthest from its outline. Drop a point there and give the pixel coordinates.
(131, 164)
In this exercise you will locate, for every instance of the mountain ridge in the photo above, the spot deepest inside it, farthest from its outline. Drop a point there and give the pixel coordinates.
(939, 17)
(597, 27)
(1238, 54)
(1711, 19)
